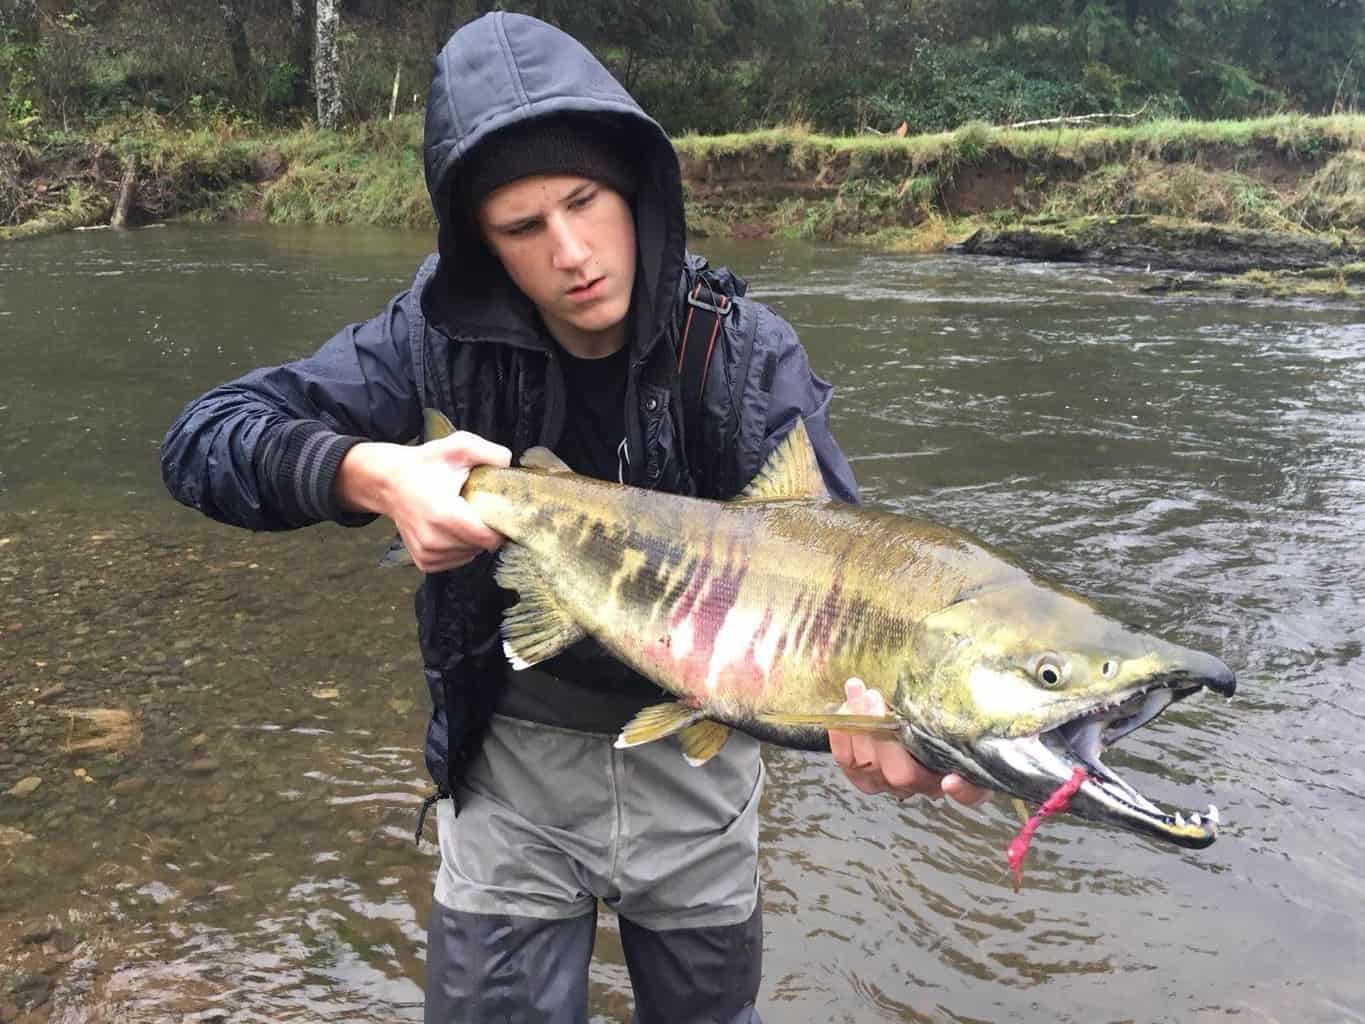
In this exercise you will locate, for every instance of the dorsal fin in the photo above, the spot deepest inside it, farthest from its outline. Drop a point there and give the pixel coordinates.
(543, 458)
(791, 472)
(435, 425)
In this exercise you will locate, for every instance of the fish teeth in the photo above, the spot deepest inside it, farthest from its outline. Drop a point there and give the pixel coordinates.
(1195, 819)
(1213, 814)
(1179, 820)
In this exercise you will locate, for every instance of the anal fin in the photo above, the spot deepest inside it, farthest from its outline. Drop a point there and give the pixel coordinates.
(657, 721)
(537, 627)
(702, 741)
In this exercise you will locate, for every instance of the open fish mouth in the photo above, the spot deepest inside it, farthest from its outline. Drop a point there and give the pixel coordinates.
(1080, 741)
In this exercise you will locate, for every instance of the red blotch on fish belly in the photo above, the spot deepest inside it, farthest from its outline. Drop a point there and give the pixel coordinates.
(749, 676)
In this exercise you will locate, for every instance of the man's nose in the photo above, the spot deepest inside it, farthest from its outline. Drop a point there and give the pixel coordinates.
(570, 248)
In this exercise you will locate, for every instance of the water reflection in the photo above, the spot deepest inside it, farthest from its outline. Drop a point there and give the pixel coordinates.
(243, 849)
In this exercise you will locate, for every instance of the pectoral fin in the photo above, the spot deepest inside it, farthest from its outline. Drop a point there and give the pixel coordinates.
(657, 721)
(888, 725)
(537, 627)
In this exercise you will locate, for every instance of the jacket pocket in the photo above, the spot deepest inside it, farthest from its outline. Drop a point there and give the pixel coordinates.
(659, 436)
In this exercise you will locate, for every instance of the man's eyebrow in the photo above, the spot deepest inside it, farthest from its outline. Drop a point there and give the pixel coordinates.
(516, 222)
(533, 218)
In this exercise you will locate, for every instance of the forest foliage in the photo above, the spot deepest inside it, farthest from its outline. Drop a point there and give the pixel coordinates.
(700, 66)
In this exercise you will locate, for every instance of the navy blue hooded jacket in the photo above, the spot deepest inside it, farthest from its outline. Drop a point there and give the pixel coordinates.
(263, 451)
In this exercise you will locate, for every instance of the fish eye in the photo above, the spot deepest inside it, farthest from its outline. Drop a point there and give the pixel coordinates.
(1051, 670)
(1109, 669)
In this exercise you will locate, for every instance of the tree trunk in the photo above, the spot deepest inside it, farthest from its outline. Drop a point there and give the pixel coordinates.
(326, 80)
(235, 28)
(127, 193)
(301, 47)
(26, 20)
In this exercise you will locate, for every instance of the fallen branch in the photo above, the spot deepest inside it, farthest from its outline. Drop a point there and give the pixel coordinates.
(1074, 119)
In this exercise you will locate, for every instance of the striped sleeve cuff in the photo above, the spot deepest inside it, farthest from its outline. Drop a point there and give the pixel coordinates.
(303, 460)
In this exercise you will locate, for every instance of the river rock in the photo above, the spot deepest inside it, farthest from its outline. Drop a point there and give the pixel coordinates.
(1140, 241)
(37, 934)
(204, 766)
(10, 836)
(25, 786)
(31, 991)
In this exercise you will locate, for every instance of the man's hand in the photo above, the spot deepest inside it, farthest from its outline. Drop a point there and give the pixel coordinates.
(418, 487)
(877, 765)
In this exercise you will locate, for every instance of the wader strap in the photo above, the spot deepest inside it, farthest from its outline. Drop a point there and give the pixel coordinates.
(702, 328)
(440, 794)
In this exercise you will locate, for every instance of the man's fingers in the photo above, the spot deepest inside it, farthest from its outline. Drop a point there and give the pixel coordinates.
(864, 750)
(854, 689)
(466, 449)
(472, 532)
(841, 746)
(876, 764)
(964, 792)
(902, 772)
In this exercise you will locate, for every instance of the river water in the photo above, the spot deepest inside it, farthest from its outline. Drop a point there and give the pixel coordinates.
(226, 727)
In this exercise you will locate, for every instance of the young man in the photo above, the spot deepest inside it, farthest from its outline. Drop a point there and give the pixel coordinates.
(553, 314)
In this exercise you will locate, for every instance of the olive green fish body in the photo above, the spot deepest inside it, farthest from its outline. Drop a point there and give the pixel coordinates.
(755, 612)
(744, 608)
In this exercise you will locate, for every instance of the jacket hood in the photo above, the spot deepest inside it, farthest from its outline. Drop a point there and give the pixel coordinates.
(504, 69)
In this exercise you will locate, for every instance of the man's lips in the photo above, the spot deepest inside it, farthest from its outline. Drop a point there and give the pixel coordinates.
(589, 290)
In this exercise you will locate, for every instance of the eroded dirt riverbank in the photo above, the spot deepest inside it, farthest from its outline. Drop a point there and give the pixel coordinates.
(1283, 196)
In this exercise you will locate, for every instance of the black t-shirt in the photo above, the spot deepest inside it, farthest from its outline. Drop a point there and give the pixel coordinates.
(590, 690)
(595, 418)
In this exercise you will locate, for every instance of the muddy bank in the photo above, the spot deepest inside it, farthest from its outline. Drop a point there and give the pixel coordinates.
(1277, 195)
(1165, 244)
(1345, 281)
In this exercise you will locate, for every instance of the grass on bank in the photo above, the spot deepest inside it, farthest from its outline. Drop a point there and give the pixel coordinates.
(1346, 281)
(370, 174)
(898, 193)
(1294, 136)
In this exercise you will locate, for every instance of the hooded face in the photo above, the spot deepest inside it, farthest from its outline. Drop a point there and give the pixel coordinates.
(505, 70)
(568, 243)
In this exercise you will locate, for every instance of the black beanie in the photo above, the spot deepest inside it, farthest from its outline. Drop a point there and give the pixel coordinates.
(548, 145)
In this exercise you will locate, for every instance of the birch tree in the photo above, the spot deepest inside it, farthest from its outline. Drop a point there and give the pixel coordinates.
(326, 81)
(235, 28)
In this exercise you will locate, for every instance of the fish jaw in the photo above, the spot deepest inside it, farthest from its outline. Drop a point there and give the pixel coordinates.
(1033, 769)
(981, 698)
(1032, 766)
